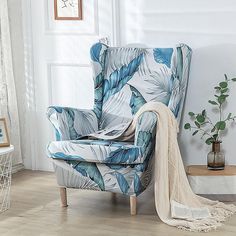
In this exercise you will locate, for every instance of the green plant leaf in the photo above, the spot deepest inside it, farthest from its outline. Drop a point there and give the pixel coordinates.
(213, 102)
(197, 124)
(195, 132)
(187, 126)
(224, 90)
(221, 99)
(223, 84)
(234, 79)
(215, 136)
(209, 141)
(217, 88)
(191, 114)
(229, 116)
(200, 118)
(220, 125)
(213, 129)
(226, 77)
(204, 113)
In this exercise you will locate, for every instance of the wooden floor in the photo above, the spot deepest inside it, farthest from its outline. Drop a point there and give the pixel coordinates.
(35, 210)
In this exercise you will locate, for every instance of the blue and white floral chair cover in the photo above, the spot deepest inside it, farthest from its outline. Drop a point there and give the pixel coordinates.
(124, 79)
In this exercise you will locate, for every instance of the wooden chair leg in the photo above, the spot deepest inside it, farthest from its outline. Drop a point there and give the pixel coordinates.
(63, 197)
(133, 205)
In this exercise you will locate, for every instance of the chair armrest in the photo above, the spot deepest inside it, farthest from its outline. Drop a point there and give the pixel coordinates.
(145, 133)
(72, 123)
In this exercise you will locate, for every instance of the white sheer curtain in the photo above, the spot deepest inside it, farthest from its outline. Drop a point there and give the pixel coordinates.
(8, 102)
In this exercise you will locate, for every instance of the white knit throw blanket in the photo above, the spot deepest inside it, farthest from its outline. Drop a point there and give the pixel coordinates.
(171, 184)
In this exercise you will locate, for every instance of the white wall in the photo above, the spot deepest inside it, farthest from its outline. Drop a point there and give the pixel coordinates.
(208, 27)
(205, 25)
(57, 66)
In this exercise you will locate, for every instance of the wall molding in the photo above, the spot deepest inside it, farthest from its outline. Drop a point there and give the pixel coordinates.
(190, 11)
(30, 117)
(52, 64)
(174, 31)
(116, 41)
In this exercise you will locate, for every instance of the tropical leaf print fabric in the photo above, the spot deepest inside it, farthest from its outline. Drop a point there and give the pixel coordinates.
(90, 151)
(163, 55)
(119, 167)
(124, 80)
(98, 53)
(135, 76)
(125, 179)
(72, 123)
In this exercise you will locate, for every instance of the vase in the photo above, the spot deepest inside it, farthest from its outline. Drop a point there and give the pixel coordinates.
(216, 158)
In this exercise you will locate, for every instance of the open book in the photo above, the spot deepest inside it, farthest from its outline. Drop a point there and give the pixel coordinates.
(110, 133)
(180, 211)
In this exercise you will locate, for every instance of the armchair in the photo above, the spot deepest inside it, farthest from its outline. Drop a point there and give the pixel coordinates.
(124, 79)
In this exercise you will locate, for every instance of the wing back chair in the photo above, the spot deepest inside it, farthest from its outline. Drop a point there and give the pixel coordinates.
(124, 79)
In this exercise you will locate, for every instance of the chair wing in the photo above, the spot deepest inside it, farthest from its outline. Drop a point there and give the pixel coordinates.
(134, 76)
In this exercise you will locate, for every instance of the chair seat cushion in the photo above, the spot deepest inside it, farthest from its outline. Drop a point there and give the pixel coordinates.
(98, 151)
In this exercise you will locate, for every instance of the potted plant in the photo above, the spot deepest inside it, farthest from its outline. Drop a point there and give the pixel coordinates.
(211, 131)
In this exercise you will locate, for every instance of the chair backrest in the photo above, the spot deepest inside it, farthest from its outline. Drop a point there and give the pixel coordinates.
(126, 78)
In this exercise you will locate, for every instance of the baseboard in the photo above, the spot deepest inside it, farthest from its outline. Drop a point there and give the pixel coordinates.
(17, 167)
